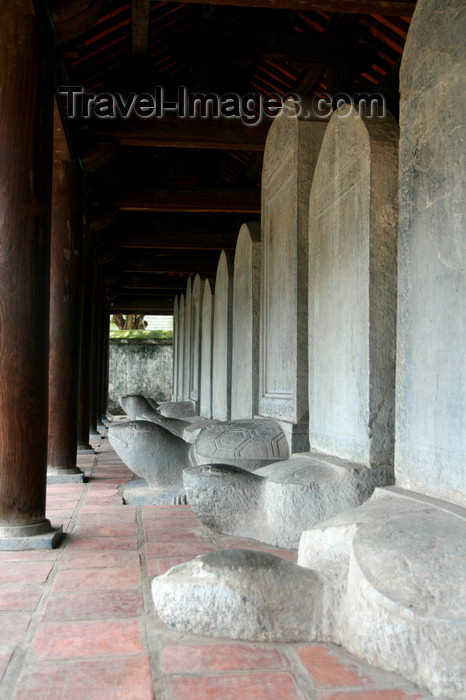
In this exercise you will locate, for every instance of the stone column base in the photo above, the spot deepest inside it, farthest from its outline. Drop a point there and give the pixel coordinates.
(88, 450)
(23, 537)
(56, 475)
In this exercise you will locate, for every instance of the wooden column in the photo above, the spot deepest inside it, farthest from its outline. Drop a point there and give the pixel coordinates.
(26, 132)
(86, 345)
(65, 313)
(103, 351)
(106, 359)
(93, 432)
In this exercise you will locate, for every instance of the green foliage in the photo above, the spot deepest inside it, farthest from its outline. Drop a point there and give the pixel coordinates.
(141, 335)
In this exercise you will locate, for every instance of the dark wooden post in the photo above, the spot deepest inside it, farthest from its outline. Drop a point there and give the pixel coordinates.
(103, 332)
(86, 344)
(65, 312)
(93, 432)
(26, 132)
(106, 358)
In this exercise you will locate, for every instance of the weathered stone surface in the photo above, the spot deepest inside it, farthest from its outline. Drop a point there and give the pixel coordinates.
(176, 409)
(180, 350)
(207, 323)
(240, 595)
(246, 323)
(134, 404)
(175, 349)
(276, 503)
(394, 594)
(222, 341)
(188, 308)
(290, 157)
(151, 452)
(352, 289)
(195, 373)
(249, 444)
(385, 580)
(138, 493)
(431, 371)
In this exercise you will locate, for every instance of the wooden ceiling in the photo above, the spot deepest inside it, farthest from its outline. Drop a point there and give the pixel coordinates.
(165, 196)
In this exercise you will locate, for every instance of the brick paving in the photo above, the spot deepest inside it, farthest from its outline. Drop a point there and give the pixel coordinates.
(77, 623)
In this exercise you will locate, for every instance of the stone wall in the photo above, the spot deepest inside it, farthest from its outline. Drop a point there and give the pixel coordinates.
(141, 367)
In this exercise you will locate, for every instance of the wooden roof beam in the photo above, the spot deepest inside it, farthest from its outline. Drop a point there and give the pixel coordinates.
(185, 240)
(170, 131)
(194, 200)
(140, 21)
(397, 8)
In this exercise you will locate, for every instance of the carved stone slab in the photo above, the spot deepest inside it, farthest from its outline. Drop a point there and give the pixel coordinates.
(207, 318)
(221, 353)
(431, 368)
(250, 444)
(187, 347)
(246, 323)
(352, 289)
(195, 373)
(291, 152)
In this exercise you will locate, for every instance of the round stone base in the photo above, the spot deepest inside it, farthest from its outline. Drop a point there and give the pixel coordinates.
(22, 537)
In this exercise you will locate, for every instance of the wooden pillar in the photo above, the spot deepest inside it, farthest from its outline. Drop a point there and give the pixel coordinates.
(93, 432)
(86, 344)
(26, 132)
(106, 359)
(103, 351)
(65, 313)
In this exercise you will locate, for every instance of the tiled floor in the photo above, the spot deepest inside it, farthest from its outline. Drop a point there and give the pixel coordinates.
(78, 622)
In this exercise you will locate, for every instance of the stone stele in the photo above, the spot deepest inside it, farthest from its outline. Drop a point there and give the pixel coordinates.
(222, 338)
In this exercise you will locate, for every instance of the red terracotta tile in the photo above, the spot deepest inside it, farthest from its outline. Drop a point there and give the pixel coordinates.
(4, 661)
(71, 640)
(19, 597)
(32, 555)
(89, 605)
(13, 626)
(125, 514)
(389, 694)
(219, 657)
(177, 535)
(122, 679)
(89, 560)
(97, 579)
(106, 530)
(249, 686)
(20, 572)
(156, 567)
(176, 549)
(94, 544)
(328, 670)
